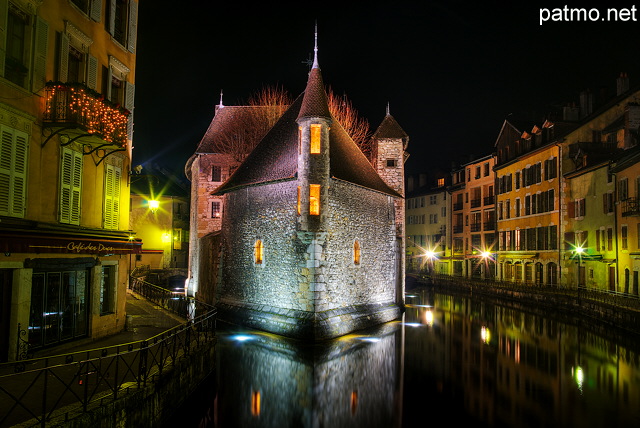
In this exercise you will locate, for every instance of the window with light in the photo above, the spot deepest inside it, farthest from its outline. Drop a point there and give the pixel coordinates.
(258, 252)
(315, 139)
(314, 199)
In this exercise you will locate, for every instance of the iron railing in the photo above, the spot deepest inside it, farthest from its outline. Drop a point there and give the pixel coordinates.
(39, 389)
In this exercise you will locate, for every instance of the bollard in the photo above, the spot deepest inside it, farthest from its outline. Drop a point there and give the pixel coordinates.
(128, 324)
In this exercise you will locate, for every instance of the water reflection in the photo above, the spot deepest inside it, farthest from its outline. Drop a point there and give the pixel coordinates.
(452, 360)
(265, 380)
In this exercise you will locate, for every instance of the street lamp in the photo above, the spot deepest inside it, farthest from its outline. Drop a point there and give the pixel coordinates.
(579, 252)
(154, 205)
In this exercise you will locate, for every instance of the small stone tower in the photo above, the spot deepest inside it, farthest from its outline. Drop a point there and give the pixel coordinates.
(389, 153)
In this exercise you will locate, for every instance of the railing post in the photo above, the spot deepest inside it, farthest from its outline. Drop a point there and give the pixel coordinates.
(142, 366)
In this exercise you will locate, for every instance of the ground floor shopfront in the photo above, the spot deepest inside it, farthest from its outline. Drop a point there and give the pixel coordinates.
(68, 287)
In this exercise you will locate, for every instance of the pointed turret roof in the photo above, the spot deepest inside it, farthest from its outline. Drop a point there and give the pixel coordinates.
(315, 102)
(389, 128)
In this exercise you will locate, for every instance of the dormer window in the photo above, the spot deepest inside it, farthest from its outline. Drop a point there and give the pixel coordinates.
(316, 131)
(314, 199)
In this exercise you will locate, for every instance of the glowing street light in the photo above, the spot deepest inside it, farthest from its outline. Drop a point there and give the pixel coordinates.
(154, 205)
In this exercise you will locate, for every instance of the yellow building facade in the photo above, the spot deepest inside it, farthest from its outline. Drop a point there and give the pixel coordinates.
(67, 82)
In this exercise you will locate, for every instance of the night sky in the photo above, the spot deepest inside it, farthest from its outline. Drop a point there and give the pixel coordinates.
(450, 71)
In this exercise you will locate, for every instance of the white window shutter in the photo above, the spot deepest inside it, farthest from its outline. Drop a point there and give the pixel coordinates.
(92, 72)
(66, 172)
(133, 26)
(112, 17)
(96, 10)
(129, 96)
(40, 55)
(4, 10)
(108, 196)
(6, 153)
(76, 188)
(63, 57)
(19, 186)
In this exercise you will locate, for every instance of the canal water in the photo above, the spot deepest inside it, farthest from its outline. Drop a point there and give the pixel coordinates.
(450, 360)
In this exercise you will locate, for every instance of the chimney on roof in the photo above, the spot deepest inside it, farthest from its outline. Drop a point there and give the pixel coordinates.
(586, 103)
(622, 84)
(571, 112)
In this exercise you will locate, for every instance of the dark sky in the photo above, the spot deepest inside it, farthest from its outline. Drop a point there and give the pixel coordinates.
(451, 71)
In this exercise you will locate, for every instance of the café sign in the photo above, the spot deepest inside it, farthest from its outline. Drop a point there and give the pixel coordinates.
(76, 245)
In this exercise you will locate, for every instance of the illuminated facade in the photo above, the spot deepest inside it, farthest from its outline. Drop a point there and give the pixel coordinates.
(159, 216)
(557, 198)
(330, 258)
(67, 73)
(427, 214)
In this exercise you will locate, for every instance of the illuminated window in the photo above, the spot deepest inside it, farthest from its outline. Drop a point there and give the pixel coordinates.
(258, 252)
(314, 199)
(354, 402)
(298, 200)
(356, 252)
(255, 403)
(215, 209)
(315, 139)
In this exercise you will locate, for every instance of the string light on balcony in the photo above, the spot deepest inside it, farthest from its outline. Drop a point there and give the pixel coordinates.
(89, 109)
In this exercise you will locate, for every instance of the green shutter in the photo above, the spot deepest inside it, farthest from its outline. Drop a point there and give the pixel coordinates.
(92, 72)
(133, 26)
(129, 96)
(40, 55)
(96, 10)
(63, 57)
(4, 10)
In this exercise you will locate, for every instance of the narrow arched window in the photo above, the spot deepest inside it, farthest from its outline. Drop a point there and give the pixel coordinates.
(258, 252)
(298, 200)
(356, 252)
(316, 133)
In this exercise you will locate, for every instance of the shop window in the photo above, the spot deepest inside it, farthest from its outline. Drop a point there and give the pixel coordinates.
(316, 133)
(314, 199)
(258, 252)
(108, 290)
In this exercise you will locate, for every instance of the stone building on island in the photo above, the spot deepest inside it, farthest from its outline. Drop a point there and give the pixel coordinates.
(311, 240)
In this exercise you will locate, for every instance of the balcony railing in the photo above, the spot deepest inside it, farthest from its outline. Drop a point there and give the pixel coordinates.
(630, 207)
(489, 225)
(489, 200)
(475, 203)
(73, 105)
(457, 229)
(476, 227)
(457, 206)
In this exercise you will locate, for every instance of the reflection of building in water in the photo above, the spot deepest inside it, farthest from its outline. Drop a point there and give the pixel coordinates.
(269, 381)
(505, 367)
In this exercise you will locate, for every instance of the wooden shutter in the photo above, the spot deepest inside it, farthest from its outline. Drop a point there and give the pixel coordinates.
(40, 55)
(133, 26)
(19, 185)
(571, 209)
(112, 17)
(70, 186)
(76, 188)
(113, 175)
(129, 96)
(92, 72)
(96, 10)
(13, 172)
(4, 10)
(63, 57)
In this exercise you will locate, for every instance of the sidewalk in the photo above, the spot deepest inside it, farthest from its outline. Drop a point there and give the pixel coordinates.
(147, 320)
